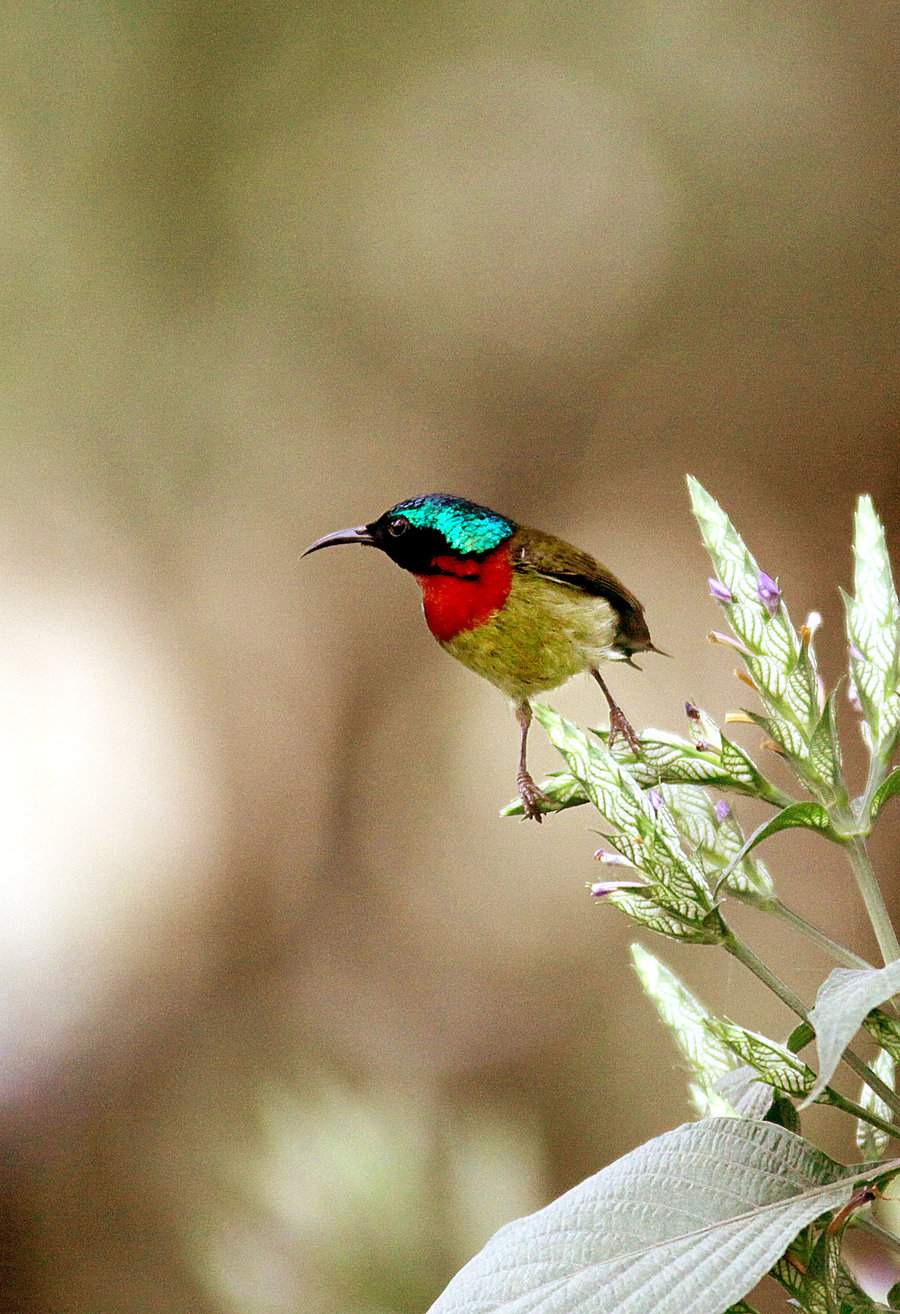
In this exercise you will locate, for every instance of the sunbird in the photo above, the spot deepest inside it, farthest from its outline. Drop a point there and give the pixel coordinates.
(522, 608)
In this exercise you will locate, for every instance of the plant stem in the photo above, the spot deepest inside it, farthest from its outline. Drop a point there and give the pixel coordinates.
(799, 923)
(745, 955)
(863, 1071)
(869, 889)
(850, 1106)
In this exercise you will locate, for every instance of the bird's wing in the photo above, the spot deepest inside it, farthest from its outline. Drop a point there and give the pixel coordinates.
(534, 552)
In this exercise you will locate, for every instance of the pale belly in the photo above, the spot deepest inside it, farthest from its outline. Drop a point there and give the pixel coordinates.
(537, 642)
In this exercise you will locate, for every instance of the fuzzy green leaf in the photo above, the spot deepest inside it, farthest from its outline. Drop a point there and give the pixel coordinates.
(685, 1018)
(746, 778)
(873, 627)
(690, 1221)
(776, 1064)
(843, 1001)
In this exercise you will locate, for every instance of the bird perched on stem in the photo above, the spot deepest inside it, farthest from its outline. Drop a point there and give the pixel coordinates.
(522, 608)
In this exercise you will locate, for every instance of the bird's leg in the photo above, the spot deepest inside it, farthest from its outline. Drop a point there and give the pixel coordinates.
(618, 722)
(531, 796)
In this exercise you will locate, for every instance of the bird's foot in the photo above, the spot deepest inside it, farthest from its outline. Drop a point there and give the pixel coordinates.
(532, 797)
(620, 725)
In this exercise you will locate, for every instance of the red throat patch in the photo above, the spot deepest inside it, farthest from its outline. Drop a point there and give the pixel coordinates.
(468, 594)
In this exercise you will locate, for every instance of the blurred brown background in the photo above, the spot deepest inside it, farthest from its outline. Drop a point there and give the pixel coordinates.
(291, 1021)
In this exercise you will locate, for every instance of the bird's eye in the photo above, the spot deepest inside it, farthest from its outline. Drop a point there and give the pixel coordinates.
(399, 525)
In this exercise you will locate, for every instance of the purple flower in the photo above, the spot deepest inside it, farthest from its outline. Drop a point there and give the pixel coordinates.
(722, 810)
(692, 712)
(612, 859)
(715, 636)
(857, 654)
(720, 592)
(769, 592)
(599, 889)
(853, 698)
(656, 799)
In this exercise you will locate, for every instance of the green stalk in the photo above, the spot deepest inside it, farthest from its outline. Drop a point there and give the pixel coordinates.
(812, 933)
(745, 955)
(867, 882)
(850, 1106)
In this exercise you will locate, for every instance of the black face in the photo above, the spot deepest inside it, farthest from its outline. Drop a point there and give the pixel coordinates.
(412, 547)
(415, 532)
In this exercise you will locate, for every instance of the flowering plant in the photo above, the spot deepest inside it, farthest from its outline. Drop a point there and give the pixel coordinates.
(693, 1219)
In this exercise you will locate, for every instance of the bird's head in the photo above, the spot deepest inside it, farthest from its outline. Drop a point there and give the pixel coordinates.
(423, 534)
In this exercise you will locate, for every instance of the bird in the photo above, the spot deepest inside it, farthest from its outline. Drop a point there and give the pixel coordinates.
(520, 607)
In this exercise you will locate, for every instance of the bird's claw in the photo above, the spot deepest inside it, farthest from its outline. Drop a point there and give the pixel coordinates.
(620, 725)
(532, 797)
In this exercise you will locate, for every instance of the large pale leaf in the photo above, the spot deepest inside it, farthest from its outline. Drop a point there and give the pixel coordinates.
(745, 1093)
(690, 1221)
(844, 999)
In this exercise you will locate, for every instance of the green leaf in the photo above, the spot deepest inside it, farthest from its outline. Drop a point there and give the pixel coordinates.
(827, 1287)
(887, 789)
(611, 787)
(872, 627)
(746, 776)
(843, 1000)
(872, 1141)
(685, 1017)
(690, 1221)
(810, 815)
(824, 746)
(643, 907)
(776, 1064)
(885, 1029)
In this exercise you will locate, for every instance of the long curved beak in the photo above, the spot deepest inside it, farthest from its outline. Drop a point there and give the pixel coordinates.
(359, 535)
